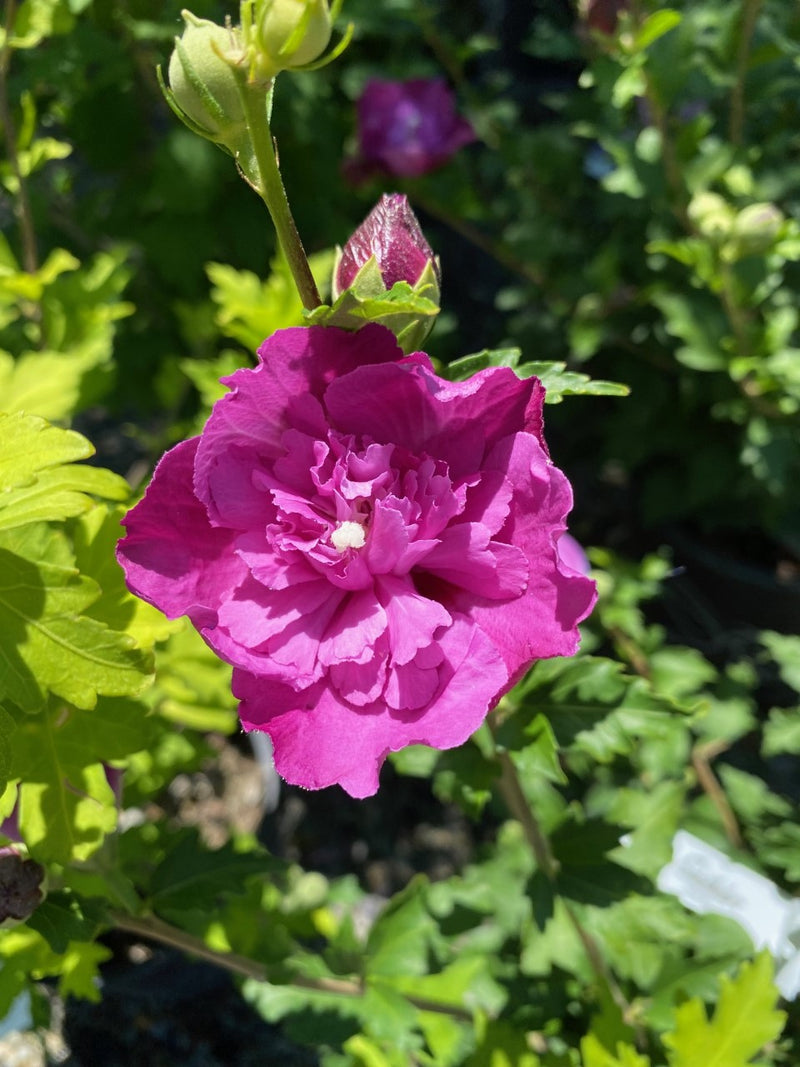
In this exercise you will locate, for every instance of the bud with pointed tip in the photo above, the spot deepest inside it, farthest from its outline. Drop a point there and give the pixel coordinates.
(389, 246)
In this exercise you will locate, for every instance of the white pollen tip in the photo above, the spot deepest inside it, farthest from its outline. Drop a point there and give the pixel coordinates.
(348, 535)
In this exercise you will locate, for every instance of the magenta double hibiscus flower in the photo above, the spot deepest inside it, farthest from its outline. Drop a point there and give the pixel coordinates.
(373, 548)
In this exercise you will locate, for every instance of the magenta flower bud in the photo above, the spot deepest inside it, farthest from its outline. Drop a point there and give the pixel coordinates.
(392, 236)
(407, 128)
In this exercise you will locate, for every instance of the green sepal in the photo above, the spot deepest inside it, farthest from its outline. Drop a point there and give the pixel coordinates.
(403, 310)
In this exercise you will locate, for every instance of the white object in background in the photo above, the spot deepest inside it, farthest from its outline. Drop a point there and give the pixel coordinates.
(706, 881)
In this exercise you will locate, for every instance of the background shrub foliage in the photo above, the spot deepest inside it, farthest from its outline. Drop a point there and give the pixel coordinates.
(629, 211)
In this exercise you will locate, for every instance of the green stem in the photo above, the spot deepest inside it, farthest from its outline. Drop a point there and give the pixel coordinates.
(750, 10)
(516, 802)
(270, 188)
(154, 929)
(513, 794)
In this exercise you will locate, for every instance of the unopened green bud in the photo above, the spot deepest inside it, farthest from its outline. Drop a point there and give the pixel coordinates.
(712, 215)
(756, 227)
(291, 33)
(202, 82)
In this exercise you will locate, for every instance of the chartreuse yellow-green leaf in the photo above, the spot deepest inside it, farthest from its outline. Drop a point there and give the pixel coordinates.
(593, 1054)
(39, 478)
(743, 1022)
(46, 644)
(66, 806)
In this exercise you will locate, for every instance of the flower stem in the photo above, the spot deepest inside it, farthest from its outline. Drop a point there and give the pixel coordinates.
(270, 188)
(154, 929)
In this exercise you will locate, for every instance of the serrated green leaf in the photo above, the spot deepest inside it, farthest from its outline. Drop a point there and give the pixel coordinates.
(63, 917)
(743, 1022)
(94, 538)
(80, 970)
(251, 309)
(779, 846)
(653, 818)
(193, 686)
(66, 807)
(389, 1017)
(60, 493)
(586, 872)
(559, 382)
(38, 478)
(461, 369)
(45, 643)
(785, 650)
(190, 876)
(595, 1055)
(29, 444)
(400, 939)
(596, 708)
(45, 383)
(465, 983)
(781, 732)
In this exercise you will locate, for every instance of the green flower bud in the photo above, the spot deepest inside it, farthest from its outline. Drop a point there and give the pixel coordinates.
(291, 33)
(202, 83)
(756, 227)
(712, 215)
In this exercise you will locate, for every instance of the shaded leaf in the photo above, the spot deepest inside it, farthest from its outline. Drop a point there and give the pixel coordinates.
(45, 641)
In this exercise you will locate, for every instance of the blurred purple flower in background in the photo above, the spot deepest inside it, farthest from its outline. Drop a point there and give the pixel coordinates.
(407, 128)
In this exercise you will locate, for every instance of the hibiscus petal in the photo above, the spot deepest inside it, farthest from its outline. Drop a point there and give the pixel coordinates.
(407, 404)
(283, 391)
(254, 614)
(410, 686)
(543, 621)
(360, 683)
(172, 556)
(466, 557)
(412, 619)
(321, 740)
(358, 624)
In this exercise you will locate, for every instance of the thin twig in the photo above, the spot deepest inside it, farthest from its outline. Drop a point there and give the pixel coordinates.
(701, 761)
(154, 929)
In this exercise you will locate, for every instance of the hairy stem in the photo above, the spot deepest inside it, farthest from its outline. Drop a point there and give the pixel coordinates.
(271, 189)
(154, 929)
(30, 258)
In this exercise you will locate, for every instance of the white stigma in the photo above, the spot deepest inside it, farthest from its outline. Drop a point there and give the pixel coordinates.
(348, 535)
